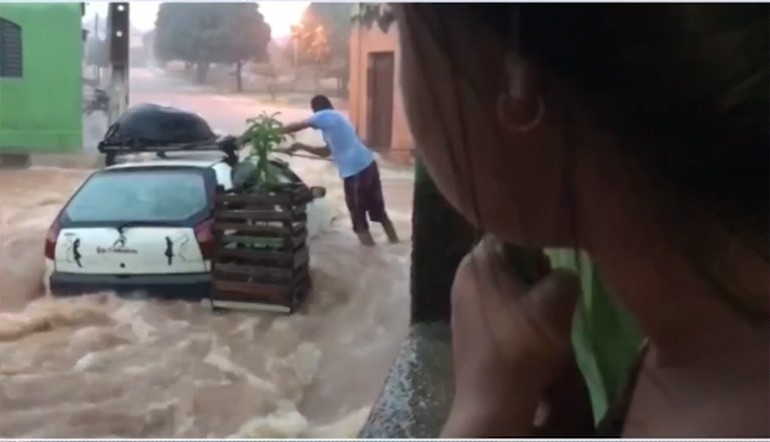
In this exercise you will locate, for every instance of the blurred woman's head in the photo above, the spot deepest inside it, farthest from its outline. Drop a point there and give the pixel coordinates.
(547, 123)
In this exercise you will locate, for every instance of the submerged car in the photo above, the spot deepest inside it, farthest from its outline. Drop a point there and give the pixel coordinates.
(146, 228)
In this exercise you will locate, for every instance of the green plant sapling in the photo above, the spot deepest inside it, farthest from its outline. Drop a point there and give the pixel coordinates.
(264, 134)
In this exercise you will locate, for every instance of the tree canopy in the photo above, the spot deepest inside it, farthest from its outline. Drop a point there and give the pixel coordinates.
(204, 33)
(321, 39)
(335, 19)
(367, 14)
(322, 34)
(311, 42)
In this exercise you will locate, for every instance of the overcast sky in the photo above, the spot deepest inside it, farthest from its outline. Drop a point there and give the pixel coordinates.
(279, 14)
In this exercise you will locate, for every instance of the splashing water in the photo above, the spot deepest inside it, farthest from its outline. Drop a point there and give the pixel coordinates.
(101, 366)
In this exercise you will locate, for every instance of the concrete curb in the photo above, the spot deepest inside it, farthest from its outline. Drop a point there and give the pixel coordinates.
(414, 402)
(65, 161)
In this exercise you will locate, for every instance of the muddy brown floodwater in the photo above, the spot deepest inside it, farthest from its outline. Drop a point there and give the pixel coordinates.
(101, 366)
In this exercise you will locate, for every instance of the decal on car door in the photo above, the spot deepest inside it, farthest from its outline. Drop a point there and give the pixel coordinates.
(169, 250)
(76, 252)
(72, 249)
(119, 246)
(120, 242)
(181, 241)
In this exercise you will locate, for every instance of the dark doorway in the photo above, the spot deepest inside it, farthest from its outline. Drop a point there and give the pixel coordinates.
(379, 108)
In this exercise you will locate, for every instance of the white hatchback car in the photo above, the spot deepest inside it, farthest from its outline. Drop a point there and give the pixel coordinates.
(145, 228)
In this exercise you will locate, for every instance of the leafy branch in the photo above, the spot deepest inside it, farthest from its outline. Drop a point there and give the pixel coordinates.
(264, 133)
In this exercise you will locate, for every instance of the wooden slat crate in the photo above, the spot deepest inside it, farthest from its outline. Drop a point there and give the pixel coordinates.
(261, 260)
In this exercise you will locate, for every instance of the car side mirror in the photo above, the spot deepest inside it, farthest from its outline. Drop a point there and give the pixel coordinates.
(318, 192)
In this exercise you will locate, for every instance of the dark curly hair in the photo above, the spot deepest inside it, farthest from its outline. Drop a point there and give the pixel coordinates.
(320, 102)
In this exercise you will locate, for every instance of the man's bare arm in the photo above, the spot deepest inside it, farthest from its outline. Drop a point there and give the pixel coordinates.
(321, 151)
(295, 127)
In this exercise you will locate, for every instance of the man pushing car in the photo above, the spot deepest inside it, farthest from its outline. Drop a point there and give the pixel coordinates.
(356, 165)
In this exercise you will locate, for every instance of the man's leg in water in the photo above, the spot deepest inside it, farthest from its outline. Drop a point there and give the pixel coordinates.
(354, 201)
(375, 202)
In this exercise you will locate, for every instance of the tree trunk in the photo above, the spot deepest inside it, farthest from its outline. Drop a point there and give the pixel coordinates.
(437, 249)
(343, 78)
(344, 90)
(238, 78)
(202, 72)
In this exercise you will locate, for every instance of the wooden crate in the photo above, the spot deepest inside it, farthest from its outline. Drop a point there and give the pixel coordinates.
(261, 260)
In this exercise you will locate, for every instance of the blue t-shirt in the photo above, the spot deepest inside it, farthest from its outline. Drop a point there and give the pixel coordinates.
(348, 152)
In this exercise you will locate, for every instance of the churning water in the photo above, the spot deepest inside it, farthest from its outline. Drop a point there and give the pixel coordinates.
(101, 366)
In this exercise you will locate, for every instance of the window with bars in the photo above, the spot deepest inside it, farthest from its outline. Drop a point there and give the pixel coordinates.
(11, 65)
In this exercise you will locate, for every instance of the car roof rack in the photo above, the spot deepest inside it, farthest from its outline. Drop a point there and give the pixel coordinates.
(226, 145)
(138, 146)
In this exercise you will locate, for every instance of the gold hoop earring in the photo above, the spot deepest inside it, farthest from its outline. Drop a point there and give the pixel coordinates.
(503, 104)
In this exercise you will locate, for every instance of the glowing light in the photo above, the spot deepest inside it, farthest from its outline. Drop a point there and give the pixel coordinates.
(281, 15)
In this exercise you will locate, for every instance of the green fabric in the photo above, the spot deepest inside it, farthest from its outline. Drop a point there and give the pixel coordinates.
(605, 337)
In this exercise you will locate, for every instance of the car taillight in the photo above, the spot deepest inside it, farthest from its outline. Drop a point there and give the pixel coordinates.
(50, 240)
(205, 237)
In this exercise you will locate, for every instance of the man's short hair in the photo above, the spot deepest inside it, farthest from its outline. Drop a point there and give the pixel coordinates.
(320, 102)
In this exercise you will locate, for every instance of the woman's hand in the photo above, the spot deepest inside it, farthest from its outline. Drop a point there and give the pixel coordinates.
(509, 343)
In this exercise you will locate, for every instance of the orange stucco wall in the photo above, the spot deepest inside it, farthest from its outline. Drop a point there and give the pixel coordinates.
(362, 42)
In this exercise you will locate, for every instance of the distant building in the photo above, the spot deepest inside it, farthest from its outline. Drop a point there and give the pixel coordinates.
(376, 104)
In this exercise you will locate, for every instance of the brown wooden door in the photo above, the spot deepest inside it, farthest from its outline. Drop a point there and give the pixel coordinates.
(380, 78)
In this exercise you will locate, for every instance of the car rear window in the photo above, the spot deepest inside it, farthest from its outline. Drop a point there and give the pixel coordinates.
(139, 196)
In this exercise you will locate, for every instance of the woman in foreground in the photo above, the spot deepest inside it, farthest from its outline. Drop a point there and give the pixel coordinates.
(637, 133)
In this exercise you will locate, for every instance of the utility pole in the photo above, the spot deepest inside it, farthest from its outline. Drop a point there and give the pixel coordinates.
(118, 29)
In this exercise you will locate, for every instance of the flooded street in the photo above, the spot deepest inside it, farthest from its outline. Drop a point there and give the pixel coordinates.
(101, 366)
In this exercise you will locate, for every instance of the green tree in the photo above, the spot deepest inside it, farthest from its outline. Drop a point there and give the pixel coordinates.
(325, 43)
(269, 75)
(245, 38)
(311, 46)
(311, 42)
(203, 33)
(335, 19)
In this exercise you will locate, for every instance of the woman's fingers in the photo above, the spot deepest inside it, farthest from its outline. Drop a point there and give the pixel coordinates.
(540, 314)
(553, 301)
(509, 338)
(515, 266)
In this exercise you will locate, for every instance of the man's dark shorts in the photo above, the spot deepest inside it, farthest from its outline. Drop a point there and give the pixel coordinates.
(363, 195)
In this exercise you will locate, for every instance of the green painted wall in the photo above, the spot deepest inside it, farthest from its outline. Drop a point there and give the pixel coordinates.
(42, 111)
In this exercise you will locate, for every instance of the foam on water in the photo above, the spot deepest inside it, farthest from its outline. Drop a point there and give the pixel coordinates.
(101, 366)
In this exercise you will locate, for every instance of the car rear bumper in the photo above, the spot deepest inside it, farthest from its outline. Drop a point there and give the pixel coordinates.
(191, 287)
